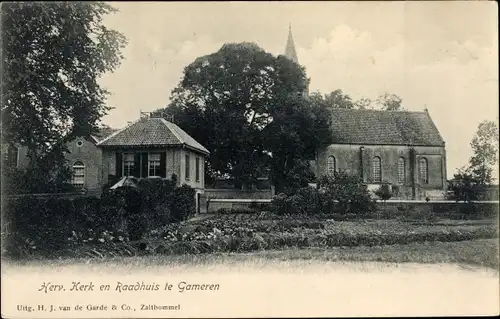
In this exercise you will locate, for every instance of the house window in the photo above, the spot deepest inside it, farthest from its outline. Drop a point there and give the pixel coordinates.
(153, 164)
(401, 170)
(330, 165)
(78, 174)
(197, 169)
(187, 168)
(424, 173)
(377, 171)
(128, 164)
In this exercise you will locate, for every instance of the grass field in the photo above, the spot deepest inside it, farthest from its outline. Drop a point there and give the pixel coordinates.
(482, 253)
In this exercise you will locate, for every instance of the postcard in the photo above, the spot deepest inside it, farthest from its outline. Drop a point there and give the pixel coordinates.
(249, 159)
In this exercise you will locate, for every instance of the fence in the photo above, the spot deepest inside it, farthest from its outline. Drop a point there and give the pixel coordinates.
(215, 199)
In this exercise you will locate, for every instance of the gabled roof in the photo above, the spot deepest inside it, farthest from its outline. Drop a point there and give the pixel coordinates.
(151, 131)
(351, 126)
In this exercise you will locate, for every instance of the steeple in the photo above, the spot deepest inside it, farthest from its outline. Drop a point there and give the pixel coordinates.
(290, 52)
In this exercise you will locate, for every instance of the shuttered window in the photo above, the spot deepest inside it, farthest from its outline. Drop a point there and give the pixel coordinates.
(197, 169)
(187, 167)
(154, 164)
(128, 164)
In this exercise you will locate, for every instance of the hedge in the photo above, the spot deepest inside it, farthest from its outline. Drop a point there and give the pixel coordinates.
(42, 225)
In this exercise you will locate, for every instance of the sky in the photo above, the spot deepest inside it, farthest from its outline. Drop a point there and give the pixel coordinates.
(442, 56)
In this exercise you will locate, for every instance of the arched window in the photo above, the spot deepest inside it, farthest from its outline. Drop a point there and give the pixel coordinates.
(377, 169)
(424, 172)
(331, 165)
(78, 174)
(401, 170)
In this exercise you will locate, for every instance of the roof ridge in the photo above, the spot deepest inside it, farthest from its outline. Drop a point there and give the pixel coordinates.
(167, 123)
(378, 110)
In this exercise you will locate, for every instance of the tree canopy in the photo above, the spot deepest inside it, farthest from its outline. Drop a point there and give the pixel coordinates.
(244, 105)
(485, 147)
(53, 55)
(334, 99)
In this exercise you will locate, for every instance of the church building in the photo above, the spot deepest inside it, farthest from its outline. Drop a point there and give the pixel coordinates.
(400, 148)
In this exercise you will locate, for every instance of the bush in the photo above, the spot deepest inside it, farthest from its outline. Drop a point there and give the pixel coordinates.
(43, 225)
(384, 192)
(464, 187)
(348, 190)
(183, 203)
(351, 195)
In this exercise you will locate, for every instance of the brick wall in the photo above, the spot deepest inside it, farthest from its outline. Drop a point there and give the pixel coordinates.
(357, 159)
(85, 151)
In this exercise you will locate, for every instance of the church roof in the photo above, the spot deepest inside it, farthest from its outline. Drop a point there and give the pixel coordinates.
(352, 126)
(290, 52)
(151, 132)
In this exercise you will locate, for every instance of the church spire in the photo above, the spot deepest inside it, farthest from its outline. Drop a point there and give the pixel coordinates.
(290, 52)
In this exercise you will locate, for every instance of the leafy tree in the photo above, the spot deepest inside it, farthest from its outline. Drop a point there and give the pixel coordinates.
(334, 99)
(390, 102)
(298, 129)
(485, 147)
(53, 55)
(236, 101)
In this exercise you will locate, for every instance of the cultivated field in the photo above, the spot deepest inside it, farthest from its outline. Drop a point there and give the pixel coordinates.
(261, 238)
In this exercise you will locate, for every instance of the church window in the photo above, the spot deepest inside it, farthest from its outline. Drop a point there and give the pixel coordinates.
(377, 170)
(330, 165)
(78, 174)
(424, 173)
(401, 170)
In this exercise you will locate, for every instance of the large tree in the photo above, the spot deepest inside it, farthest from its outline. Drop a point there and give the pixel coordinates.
(231, 101)
(485, 147)
(53, 55)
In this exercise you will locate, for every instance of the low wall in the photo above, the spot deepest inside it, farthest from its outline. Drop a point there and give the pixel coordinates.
(445, 207)
(211, 193)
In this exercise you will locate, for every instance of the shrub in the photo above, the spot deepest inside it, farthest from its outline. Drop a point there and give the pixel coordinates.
(349, 191)
(183, 203)
(43, 224)
(384, 192)
(279, 204)
(464, 187)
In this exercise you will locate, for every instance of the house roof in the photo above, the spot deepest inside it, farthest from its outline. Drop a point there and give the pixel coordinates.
(151, 131)
(351, 126)
(103, 133)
